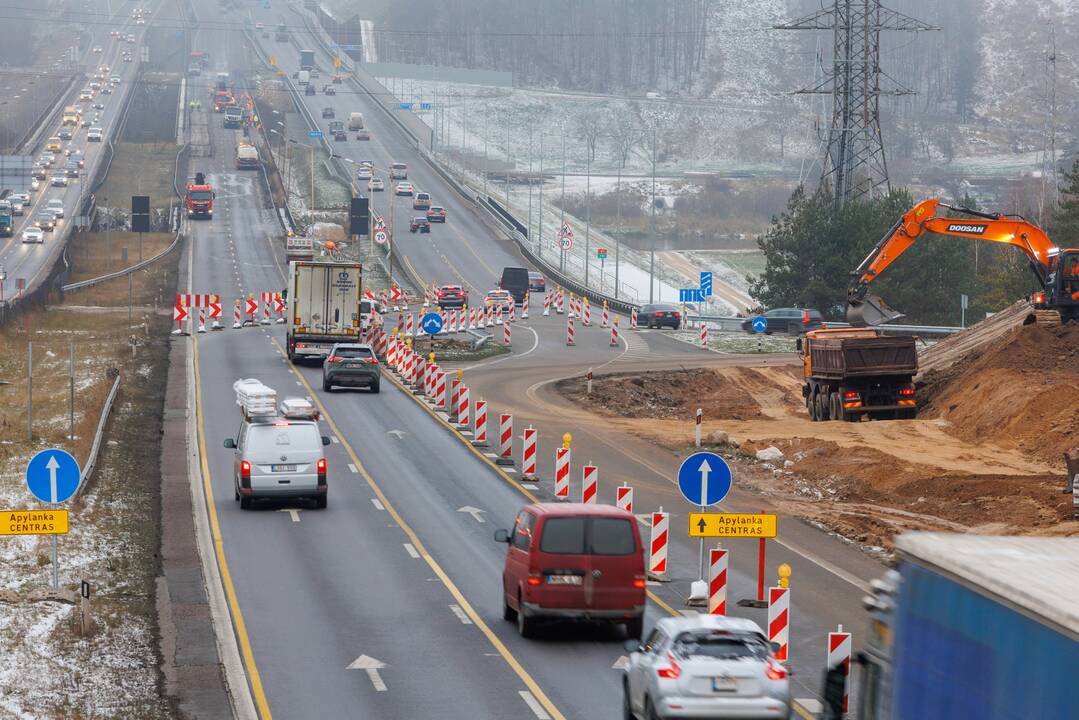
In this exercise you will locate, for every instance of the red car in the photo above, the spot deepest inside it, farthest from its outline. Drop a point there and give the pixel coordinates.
(436, 213)
(572, 561)
(451, 296)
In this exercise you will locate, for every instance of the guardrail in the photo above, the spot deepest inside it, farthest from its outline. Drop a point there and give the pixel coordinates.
(91, 459)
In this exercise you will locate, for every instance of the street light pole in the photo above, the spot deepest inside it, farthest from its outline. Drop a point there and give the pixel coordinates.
(530, 181)
(652, 254)
(562, 202)
(588, 214)
(539, 240)
(485, 114)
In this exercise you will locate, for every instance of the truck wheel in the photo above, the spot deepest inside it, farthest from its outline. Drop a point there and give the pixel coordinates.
(822, 407)
(836, 406)
(811, 407)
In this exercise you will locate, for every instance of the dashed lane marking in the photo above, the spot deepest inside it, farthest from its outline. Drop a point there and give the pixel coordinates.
(378, 504)
(413, 554)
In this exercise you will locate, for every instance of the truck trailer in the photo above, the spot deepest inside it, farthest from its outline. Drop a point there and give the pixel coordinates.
(973, 626)
(307, 59)
(851, 372)
(323, 307)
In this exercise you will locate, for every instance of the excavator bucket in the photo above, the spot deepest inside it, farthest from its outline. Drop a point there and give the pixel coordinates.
(870, 310)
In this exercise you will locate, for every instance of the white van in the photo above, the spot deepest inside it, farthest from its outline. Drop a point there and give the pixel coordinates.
(303, 77)
(398, 171)
(355, 121)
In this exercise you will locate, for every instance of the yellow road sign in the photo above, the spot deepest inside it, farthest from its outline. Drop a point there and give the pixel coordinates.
(33, 522)
(732, 525)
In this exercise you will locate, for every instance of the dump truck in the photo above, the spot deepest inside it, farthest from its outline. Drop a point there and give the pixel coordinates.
(199, 197)
(323, 307)
(247, 156)
(850, 372)
(972, 626)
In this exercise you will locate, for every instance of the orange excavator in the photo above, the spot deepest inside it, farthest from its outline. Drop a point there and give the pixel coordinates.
(1057, 269)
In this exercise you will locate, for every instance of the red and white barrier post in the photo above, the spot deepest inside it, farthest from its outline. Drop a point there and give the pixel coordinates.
(697, 428)
(614, 332)
(498, 316)
(657, 546)
(605, 321)
(779, 605)
(252, 309)
(265, 298)
(391, 353)
(237, 316)
(569, 331)
(505, 439)
(490, 316)
(202, 318)
(623, 497)
(561, 473)
(455, 394)
(546, 304)
(481, 423)
(718, 561)
(704, 336)
(587, 322)
(463, 407)
(215, 312)
(524, 308)
(410, 325)
(440, 390)
(506, 338)
(561, 301)
(633, 318)
(179, 314)
(589, 484)
(279, 303)
(572, 305)
(839, 650)
(528, 453)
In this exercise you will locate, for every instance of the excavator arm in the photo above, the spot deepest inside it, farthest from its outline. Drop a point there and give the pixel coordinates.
(865, 309)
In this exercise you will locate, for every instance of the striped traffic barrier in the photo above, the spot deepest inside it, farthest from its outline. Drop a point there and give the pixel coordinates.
(179, 314)
(561, 301)
(505, 439)
(279, 304)
(704, 336)
(490, 316)
(561, 473)
(215, 312)
(717, 581)
(472, 318)
(506, 339)
(440, 390)
(589, 484)
(524, 308)
(569, 331)
(498, 316)
(614, 332)
(779, 605)
(391, 354)
(410, 325)
(428, 379)
(265, 297)
(587, 313)
(202, 319)
(455, 394)
(252, 309)
(480, 430)
(633, 318)
(463, 407)
(657, 546)
(546, 304)
(572, 305)
(623, 497)
(839, 650)
(419, 372)
(605, 320)
(237, 316)
(513, 313)
(528, 454)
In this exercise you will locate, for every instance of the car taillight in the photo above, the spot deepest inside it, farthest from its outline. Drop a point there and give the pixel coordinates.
(805, 317)
(774, 670)
(639, 582)
(659, 314)
(907, 392)
(676, 314)
(371, 361)
(321, 466)
(850, 395)
(672, 671)
(245, 469)
(334, 359)
(534, 579)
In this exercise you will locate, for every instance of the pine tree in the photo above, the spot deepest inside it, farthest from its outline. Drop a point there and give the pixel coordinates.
(1066, 214)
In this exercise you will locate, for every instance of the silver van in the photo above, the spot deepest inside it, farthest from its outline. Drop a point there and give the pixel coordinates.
(279, 458)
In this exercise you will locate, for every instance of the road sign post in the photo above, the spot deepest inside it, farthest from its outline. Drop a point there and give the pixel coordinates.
(704, 479)
(53, 476)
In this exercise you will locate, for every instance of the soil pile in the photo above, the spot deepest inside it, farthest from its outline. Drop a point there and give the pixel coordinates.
(1020, 392)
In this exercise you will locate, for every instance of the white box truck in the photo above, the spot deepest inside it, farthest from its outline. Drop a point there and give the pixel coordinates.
(323, 307)
(355, 121)
(303, 77)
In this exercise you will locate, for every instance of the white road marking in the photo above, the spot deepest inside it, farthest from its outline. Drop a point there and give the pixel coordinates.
(810, 705)
(371, 666)
(352, 468)
(377, 503)
(534, 705)
(475, 512)
(530, 486)
(491, 455)
(411, 551)
(333, 439)
(456, 609)
(621, 663)
(295, 514)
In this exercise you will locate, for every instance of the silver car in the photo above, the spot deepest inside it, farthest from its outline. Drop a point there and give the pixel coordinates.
(279, 457)
(705, 666)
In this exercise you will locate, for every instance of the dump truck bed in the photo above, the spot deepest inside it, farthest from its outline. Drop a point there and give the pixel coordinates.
(841, 357)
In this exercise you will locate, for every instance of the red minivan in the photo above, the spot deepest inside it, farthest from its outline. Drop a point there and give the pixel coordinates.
(575, 562)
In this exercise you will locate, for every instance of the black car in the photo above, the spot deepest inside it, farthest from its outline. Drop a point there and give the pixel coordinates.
(536, 283)
(351, 365)
(453, 296)
(327, 112)
(793, 321)
(660, 315)
(419, 224)
(515, 280)
(309, 89)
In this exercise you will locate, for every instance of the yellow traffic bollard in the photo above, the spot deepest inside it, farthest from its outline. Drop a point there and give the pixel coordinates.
(784, 572)
(566, 440)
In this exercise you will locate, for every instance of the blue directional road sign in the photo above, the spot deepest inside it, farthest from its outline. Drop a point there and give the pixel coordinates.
(53, 476)
(760, 323)
(706, 284)
(425, 106)
(690, 295)
(704, 479)
(405, 105)
(315, 134)
(431, 323)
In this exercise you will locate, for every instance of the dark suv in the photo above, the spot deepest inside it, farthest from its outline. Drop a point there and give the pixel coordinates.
(793, 321)
(453, 296)
(351, 365)
(419, 224)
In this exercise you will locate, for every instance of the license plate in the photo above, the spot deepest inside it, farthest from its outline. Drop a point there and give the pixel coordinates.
(283, 468)
(724, 684)
(563, 579)
(354, 365)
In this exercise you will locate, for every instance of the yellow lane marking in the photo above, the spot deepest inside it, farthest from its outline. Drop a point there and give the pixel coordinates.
(497, 643)
(219, 548)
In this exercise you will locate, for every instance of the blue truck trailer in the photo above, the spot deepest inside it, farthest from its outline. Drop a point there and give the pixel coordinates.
(973, 626)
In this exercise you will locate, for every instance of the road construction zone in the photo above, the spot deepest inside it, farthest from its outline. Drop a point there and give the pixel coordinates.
(33, 522)
(733, 525)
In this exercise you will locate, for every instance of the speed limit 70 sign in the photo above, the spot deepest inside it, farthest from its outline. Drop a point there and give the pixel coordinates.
(380, 237)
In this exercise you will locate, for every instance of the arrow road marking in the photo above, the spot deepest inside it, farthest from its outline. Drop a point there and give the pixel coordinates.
(621, 663)
(53, 466)
(293, 512)
(399, 434)
(372, 666)
(473, 511)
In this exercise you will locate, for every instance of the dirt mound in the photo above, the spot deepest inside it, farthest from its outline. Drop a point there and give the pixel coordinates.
(1020, 392)
(955, 348)
(673, 395)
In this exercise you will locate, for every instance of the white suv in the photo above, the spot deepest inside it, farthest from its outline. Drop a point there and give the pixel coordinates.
(94, 134)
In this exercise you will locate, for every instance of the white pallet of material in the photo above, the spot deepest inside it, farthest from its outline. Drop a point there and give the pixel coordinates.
(255, 398)
(298, 408)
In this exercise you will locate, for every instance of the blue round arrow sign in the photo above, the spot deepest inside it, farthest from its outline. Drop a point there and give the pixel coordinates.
(53, 476)
(701, 470)
(431, 323)
(760, 323)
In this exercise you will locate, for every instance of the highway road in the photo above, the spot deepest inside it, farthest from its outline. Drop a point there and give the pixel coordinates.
(31, 263)
(394, 574)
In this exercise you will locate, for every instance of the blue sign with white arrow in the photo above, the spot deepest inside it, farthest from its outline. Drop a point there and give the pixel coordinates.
(53, 476)
(690, 295)
(704, 479)
(760, 323)
(706, 283)
(431, 323)
(315, 134)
